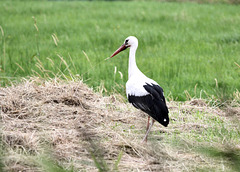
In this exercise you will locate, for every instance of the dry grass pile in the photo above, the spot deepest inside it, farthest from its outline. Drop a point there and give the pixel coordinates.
(69, 123)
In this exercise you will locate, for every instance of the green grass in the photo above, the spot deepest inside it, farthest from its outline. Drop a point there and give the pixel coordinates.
(183, 46)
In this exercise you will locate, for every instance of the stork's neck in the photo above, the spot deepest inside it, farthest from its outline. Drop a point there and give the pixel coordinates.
(132, 66)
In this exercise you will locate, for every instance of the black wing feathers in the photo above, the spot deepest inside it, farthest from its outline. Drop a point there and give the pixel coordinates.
(153, 103)
(152, 91)
(141, 102)
(160, 91)
(157, 93)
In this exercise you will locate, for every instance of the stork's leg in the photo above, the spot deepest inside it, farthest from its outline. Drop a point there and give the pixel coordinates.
(145, 137)
(147, 126)
(148, 122)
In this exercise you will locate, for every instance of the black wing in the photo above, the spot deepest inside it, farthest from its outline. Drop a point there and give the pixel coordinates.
(153, 103)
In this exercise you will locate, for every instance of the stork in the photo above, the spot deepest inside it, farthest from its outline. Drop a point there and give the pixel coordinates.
(144, 93)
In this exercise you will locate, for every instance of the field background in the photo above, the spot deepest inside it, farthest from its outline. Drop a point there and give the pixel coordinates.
(190, 49)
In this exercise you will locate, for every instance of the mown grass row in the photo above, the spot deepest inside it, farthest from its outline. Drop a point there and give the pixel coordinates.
(189, 49)
(202, 133)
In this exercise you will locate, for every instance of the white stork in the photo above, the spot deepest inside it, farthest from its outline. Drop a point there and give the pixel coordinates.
(143, 92)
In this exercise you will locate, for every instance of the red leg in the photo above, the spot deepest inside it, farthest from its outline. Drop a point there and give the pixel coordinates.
(145, 137)
(148, 122)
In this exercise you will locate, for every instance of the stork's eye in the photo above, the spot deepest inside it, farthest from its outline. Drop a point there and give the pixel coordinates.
(126, 42)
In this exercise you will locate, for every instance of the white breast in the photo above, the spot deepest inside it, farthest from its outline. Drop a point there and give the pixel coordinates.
(134, 85)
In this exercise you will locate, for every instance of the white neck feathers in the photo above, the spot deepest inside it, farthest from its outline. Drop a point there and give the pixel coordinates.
(132, 66)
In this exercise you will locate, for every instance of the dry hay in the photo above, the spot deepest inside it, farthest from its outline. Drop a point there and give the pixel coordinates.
(76, 126)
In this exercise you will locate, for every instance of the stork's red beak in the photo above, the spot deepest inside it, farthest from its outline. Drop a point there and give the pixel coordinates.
(123, 47)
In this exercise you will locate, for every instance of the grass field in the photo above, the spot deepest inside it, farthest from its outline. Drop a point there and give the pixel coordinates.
(188, 48)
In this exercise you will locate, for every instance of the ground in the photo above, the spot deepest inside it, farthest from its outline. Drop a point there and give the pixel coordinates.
(55, 124)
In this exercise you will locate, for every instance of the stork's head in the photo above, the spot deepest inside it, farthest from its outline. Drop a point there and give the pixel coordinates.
(130, 41)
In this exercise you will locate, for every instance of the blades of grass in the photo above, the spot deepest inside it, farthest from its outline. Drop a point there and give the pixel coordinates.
(20, 67)
(37, 35)
(99, 163)
(55, 39)
(118, 161)
(3, 61)
(51, 166)
(65, 63)
(188, 96)
(72, 62)
(237, 64)
(85, 54)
